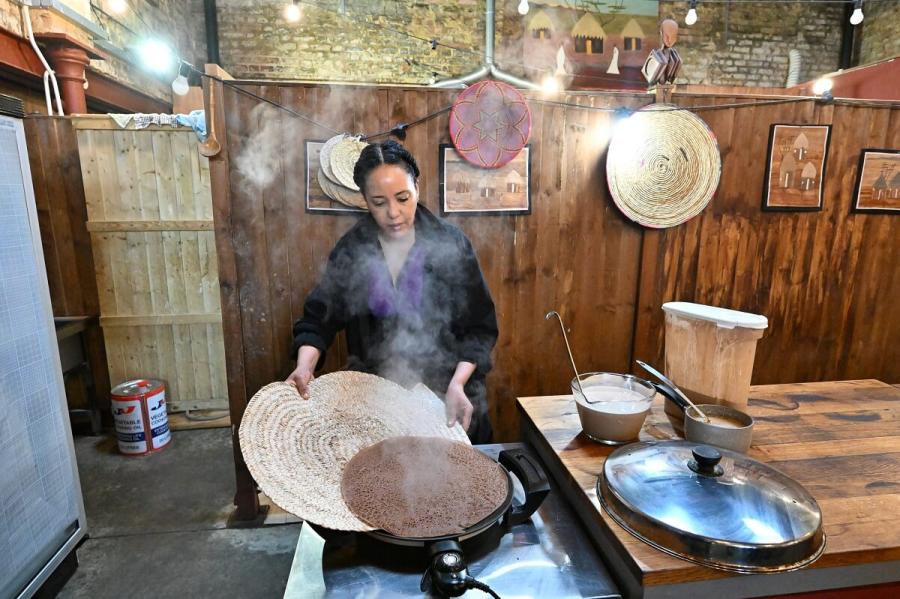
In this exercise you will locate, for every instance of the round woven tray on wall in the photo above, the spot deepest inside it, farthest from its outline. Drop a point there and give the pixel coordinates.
(663, 166)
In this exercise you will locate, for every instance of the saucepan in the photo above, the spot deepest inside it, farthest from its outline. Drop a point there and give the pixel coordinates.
(709, 424)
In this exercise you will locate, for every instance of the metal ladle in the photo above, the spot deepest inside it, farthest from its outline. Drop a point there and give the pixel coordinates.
(569, 349)
(674, 388)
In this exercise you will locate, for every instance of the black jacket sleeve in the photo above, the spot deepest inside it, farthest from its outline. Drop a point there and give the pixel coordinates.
(325, 310)
(476, 327)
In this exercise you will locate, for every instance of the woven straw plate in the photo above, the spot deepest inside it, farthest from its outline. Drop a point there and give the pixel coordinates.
(341, 194)
(342, 160)
(296, 449)
(663, 166)
(325, 156)
(490, 123)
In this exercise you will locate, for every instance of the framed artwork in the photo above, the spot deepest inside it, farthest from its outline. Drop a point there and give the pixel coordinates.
(468, 189)
(596, 44)
(795, 167)
(878, 182)
(316, 199)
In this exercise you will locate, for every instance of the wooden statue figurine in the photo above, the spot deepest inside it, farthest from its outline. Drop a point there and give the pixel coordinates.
(663, 63)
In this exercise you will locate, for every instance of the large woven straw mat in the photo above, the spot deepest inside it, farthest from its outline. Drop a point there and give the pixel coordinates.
(341, 194)
(296, 449)
(325, 155)
(663, 166)
(342, 160)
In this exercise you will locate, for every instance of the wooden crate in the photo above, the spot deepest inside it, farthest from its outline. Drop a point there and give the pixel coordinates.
(150, 218)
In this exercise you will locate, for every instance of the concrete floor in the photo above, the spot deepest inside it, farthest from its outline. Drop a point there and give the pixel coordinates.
(157, 525)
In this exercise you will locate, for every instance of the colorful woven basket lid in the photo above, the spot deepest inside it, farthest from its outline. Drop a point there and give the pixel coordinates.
(663, 166)
(490, 123)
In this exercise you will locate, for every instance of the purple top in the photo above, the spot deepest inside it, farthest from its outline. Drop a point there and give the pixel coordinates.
(406, 298)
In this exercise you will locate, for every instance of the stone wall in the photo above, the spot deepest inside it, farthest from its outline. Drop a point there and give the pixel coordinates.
(729, 45)
(749, 44)
(353, 44)
(880, 35)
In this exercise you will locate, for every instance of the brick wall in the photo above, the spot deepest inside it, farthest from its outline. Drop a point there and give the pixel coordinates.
(880, 35)
(354, 45)
(178, 22)
(749, 45)
(729, 45)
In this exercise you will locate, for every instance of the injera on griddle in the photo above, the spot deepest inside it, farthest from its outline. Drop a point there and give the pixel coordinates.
(418, 487)
(296, 449)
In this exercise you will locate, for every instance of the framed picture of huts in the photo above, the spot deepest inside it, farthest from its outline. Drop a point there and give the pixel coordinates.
(595, 44)
(795, 167)
(468, 189)
(878, 182)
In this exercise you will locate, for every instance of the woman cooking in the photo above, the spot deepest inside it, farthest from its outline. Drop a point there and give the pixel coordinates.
(407, 289)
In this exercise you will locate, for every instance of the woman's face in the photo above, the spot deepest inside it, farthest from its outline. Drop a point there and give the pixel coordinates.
(392, 196)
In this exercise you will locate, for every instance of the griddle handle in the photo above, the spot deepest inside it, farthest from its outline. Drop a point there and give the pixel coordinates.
(534, 482)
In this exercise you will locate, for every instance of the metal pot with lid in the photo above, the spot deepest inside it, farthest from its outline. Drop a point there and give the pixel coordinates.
(714, 507)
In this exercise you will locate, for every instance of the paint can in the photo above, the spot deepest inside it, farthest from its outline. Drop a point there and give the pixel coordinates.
(139, 411)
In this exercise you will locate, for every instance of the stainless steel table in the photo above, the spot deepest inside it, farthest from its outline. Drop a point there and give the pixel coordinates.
(550, 556)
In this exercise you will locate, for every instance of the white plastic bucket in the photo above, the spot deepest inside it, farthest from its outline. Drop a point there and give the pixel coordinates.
(710, 353)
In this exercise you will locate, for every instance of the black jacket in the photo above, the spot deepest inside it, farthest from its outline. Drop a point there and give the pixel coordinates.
(451, 319)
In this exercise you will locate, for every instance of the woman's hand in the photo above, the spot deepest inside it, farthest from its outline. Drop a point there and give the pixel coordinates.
(458, 407)
(302, 376)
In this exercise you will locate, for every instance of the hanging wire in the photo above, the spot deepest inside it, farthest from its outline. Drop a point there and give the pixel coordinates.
(238, 88)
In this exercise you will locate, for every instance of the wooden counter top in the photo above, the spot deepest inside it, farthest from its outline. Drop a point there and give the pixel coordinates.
(841, 440)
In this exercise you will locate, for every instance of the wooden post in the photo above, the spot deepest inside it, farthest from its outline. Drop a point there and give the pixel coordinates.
(246, 499)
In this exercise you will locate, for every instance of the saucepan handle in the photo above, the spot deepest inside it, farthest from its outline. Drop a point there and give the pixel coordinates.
(534, 482)
(670, 394)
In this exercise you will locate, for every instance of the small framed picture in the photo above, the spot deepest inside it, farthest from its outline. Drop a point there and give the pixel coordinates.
(878, 182)
(317, 200)
(468, 189)
(795, 167)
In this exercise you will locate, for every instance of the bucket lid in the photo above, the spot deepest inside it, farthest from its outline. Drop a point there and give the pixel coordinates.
(714, 507)
(725, 318)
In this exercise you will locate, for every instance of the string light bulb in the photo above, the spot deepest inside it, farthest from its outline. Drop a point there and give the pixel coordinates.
(292, 12)
(822, 85)
(180, 86)
(117, 7)
(857, 17)
(523, 7)
(156, 56)
(691, 16)
(550, 84)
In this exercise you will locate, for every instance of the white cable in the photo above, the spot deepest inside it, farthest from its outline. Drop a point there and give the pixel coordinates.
(47, 92)
(26, 17)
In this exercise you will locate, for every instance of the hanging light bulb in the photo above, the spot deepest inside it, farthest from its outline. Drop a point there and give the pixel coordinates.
(523, 7)
(857, 17)
(550, 84)
(292, 12)
(117, 7)
(156, 56)
(180, 86)
(822, 85)
(691, 16)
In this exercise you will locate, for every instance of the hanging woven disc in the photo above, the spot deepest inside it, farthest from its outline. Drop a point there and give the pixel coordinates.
(490, 123)
(663, 166)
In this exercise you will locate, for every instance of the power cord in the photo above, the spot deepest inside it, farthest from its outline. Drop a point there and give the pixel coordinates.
(472, 583)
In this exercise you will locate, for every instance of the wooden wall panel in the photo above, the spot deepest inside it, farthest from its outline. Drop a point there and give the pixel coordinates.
(149, 213)
(824, 279)
(59, 196)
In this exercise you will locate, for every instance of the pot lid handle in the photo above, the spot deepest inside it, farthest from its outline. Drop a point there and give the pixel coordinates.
(706, 461)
